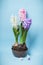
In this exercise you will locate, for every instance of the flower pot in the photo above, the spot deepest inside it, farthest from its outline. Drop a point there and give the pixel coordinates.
(20, 50)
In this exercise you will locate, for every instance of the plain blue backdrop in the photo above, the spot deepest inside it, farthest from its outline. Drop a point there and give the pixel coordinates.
(35, 34)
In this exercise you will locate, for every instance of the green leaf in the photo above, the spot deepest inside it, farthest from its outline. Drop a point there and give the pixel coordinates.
(16, 33)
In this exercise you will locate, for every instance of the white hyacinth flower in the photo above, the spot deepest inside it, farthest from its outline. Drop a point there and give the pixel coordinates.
(14, 21)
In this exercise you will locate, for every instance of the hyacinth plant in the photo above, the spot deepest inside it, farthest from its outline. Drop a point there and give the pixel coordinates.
(23, 28)
(15, 27)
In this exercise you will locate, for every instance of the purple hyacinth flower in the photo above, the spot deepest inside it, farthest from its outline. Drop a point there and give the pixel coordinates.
(26, 24)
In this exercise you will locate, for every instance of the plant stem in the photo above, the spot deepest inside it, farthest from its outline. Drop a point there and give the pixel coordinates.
(23, 35)
(16, 34)
(16, 38)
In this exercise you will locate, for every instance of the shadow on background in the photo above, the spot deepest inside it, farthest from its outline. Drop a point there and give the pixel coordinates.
(31, 42)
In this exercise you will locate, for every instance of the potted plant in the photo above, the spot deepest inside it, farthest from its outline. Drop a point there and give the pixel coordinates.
(19, 49)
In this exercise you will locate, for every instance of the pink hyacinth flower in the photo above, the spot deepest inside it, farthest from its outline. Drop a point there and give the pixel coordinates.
(22, 14)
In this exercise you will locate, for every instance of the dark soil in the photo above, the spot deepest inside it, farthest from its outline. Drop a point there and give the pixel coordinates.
(19, 47)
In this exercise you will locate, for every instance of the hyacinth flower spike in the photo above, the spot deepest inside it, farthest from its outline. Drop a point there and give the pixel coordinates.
(22, 14)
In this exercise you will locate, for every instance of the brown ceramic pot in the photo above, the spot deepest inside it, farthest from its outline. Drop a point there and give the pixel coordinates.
(19, 50)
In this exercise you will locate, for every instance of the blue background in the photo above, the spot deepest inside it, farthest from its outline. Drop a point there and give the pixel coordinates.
(35, 34)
